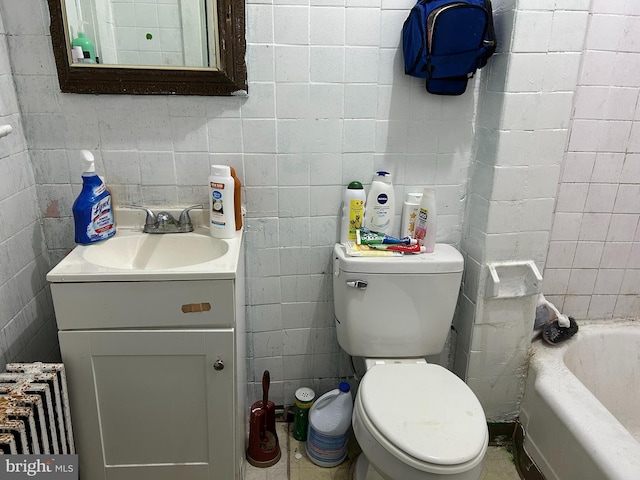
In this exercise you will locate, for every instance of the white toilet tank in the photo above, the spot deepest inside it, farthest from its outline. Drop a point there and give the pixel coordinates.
(395, 306)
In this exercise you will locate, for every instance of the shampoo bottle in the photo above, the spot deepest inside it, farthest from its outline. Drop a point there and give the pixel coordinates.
(380, 204)
(353, 204)
(410, 215)
(426, 226)
(221, 202)
(92, 210)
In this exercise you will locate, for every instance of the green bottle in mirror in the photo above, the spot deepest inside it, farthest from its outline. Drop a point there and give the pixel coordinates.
(87, 46)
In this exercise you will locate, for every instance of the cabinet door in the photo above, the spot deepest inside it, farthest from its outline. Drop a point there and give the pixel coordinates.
(151, 405)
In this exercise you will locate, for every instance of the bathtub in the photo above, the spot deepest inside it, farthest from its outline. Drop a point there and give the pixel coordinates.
(581, 406)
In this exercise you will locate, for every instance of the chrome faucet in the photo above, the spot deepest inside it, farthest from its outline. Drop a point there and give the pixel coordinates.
(164, 222)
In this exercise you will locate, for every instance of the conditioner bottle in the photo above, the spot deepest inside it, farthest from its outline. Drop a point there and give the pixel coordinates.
(427, 220)
(410, 215)
(221, 202)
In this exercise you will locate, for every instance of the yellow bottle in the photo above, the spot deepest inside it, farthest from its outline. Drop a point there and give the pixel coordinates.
(353, 202)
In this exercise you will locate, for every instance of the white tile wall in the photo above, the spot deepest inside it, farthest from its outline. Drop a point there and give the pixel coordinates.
(27, 325)
(328, 103)
(523, 122)
(595, 230)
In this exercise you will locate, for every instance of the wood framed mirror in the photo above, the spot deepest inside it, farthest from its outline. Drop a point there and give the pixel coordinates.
(227, 75)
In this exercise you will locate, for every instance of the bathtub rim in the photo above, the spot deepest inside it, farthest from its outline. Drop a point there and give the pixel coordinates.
(615, 450)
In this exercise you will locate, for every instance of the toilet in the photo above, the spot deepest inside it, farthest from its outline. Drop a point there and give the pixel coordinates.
(413, 420)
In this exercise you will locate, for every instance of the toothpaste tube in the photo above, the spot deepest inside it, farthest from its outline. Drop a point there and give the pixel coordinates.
(355, 250)
(415, 248)
(364, 236)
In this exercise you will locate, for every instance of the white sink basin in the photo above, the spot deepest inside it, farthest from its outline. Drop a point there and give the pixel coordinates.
(135, 256)
(155, 252)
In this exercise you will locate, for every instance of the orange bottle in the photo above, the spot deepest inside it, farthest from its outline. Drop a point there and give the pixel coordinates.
(237, 199)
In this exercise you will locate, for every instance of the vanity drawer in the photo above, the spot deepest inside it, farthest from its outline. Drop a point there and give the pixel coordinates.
(180, 304)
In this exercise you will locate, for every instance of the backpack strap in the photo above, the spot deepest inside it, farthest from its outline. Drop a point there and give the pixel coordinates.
(490, 37)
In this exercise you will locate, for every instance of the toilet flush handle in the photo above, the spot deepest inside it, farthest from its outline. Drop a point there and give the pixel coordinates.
(361, 284)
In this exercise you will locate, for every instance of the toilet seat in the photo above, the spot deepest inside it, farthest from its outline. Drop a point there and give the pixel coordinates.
(424, 415)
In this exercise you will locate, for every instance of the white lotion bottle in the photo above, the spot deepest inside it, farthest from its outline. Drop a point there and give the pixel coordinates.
(427, 220)
(380, 206)
(222, 222)
(410, 215)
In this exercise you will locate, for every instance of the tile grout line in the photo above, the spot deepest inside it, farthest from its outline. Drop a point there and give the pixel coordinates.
(288, 452)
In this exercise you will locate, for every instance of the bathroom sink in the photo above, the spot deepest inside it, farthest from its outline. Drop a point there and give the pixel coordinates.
(155, 252)
(135, 256)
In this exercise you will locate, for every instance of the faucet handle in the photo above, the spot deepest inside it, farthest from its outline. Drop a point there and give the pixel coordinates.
(184, 222)
(165, 218)
(150, 221)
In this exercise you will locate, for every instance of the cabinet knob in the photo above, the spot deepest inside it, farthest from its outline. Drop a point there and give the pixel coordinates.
(218, 365)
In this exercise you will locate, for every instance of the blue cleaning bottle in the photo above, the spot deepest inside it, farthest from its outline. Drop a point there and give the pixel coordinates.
(92, 210)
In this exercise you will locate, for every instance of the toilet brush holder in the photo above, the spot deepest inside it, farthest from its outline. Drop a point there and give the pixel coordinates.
(264, 448)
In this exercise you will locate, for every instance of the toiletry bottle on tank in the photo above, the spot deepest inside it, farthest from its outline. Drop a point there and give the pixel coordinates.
(427, 220)
(410, 215)
(92, 210)
(221, 202)
(380, 209)
(353, 206)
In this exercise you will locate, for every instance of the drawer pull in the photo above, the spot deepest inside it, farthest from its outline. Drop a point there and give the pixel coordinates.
(196, 307)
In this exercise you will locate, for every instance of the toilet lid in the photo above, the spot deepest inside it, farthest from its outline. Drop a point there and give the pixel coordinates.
(425, 411)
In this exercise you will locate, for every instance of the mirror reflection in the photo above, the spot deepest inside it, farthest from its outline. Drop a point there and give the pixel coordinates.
(202, 53)
(142, 33)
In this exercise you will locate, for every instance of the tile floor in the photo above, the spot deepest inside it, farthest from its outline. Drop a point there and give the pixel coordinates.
(295, 465)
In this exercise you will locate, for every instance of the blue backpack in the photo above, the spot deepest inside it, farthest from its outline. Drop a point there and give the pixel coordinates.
(446, 41)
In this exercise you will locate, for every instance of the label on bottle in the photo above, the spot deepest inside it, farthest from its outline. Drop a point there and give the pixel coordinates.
(421, 226)
(217, 206)
(102, 225)
(99, 190)
(356, 214)
(411, 226)
(381, 217)
(326, 450)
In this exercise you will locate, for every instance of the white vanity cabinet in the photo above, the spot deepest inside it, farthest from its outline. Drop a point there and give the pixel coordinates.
(156, 378)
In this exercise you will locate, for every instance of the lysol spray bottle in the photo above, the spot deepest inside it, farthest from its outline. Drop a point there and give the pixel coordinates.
(426, 226)
(380, 204)
(353, 205)
(92, 210)
(221, 202)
